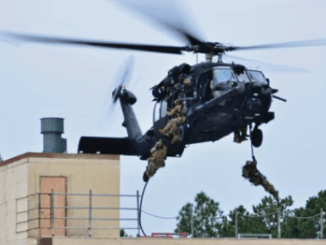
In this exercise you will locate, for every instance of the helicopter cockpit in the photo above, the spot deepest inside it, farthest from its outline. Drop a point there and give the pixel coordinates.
(224, 78)
(258, 77)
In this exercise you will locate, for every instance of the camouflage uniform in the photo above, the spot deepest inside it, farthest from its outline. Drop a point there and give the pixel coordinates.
(171, 129)
(250, 171)
(156, 160)
(240, 135)
(187, 87)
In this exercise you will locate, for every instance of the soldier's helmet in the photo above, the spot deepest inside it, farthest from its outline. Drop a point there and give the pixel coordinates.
(182, 77)
(159, 144)
(177, 102)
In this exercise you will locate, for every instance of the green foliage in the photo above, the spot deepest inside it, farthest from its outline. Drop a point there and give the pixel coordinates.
(305, 228)
(123, 233)
(209, 221)
(267, 206)
(1, 158)
(207, 217)
(247, 223)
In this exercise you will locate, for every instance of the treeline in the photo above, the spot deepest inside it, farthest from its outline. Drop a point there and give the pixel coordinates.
(204, 218)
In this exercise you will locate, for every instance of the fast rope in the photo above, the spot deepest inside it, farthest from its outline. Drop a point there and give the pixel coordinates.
(252, 147)
(140, 206)
(254, 159)
(157, 216)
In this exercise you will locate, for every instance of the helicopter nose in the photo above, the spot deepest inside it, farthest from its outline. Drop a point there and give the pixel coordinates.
(256, 88)
(253, 104)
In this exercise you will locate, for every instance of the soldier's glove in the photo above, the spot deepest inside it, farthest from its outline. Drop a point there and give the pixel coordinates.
(254, 159)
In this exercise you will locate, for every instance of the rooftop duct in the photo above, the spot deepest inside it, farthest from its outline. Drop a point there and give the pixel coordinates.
(52, 128)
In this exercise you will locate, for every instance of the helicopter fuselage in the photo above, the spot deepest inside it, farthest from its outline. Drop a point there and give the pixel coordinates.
(225, 97)
(220, 99)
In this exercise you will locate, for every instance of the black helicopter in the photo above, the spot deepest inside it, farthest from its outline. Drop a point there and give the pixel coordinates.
(224, 97)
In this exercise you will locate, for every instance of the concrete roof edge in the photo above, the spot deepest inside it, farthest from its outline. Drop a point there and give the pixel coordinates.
(59, 155)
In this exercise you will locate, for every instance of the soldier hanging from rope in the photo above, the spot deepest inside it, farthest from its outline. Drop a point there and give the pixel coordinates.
(250, 171)
(156, 160)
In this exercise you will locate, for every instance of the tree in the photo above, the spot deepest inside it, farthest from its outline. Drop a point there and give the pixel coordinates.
(247, 223)
(305, 228)
(1, 158)
(261, 221)
(207, 217)
(268, 206)
(123, 233)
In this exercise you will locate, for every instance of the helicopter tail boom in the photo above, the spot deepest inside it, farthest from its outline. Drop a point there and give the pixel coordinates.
(127, 99)
(92, 145)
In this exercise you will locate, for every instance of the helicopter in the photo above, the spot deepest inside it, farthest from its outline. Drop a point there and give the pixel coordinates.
(224, 97)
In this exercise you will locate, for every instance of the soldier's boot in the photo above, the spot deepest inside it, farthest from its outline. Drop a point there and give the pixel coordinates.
(236, 138)
(243, 132)
(145, 177)
(241, 139)
(243, 135)
(275, 195)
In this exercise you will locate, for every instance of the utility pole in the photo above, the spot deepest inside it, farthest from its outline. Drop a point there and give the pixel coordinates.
(192, 221)
(236, 223)
(321, 222)
(278, 222)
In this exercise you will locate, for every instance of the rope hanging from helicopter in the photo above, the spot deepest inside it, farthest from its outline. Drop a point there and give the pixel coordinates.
(252, 147)
(140, 209)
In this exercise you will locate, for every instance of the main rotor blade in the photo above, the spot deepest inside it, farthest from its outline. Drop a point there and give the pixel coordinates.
(166, 13)
(306, 43)
(56, 40)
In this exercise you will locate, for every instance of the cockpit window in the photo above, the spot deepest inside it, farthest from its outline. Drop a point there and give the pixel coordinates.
(243, 77)
(257, 76)
(223, 76)
(164, 107)
(156, 114)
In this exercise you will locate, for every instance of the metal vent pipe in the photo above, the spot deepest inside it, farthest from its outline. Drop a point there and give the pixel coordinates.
(52, 128)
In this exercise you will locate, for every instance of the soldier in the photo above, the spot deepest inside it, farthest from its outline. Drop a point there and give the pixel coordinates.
(240, 135)
(156, 160)
(172, 127)
(250, 171)
(177, 110)
(270, 189)
(176, 113)
(174, 131)
(187, 87)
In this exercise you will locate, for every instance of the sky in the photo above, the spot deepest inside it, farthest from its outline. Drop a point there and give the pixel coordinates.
(75, 83)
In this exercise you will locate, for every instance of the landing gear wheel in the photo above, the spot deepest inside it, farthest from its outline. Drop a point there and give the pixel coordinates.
(257, 137)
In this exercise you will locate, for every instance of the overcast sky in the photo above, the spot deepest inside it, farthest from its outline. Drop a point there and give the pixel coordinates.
(74, 83)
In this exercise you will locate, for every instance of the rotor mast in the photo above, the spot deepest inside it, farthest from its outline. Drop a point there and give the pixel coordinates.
(209, 57)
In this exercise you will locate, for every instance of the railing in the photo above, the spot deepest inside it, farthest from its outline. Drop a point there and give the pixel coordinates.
(40, 215)
(254, 236)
